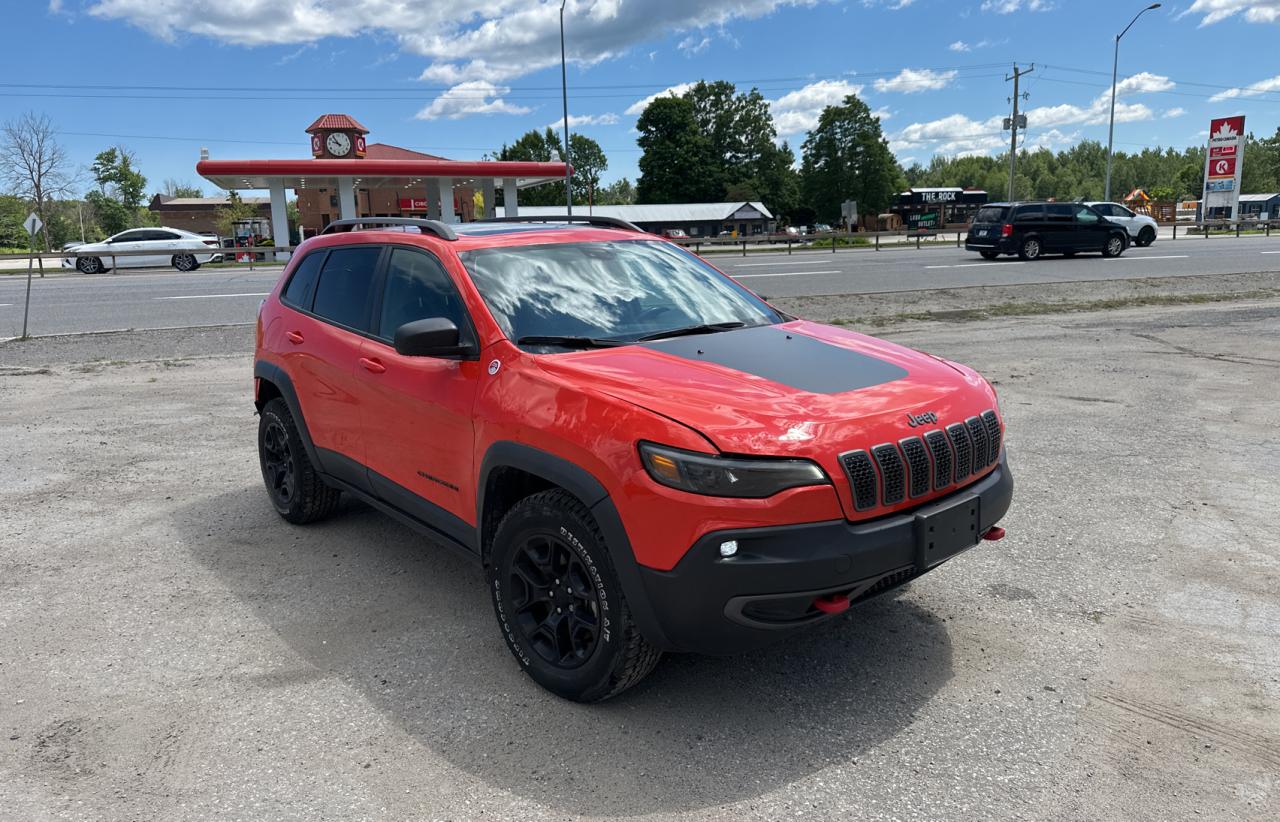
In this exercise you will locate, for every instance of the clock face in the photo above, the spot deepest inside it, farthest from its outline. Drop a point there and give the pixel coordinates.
(338, 144)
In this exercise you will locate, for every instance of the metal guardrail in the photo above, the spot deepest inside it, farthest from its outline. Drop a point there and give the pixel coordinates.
(154, 252)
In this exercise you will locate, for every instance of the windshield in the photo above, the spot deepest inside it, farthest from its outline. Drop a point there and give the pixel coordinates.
(607, 290)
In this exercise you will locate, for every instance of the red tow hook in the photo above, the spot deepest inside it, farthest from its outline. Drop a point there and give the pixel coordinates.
(832, 603)
(994, 533)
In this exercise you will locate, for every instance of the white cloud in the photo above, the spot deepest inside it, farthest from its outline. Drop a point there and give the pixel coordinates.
(960, 45)
(798, 111)
(883, 113)
(1174, 112)
(1255, 11)
(639, 106)
(1010, 6)
(466, 99)
(461, 40)
(1252, 90)
(575, 121)
(913, 81)
(691, 45)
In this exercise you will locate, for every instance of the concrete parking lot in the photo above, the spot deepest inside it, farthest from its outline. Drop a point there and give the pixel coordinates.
(171, 649)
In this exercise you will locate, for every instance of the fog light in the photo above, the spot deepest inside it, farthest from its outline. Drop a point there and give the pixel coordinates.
(729, 548)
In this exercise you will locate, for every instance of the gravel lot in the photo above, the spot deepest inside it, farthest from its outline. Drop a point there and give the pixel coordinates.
(171, 649)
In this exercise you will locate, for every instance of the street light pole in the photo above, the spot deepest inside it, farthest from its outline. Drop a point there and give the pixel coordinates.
(1115, 67)
(564, 90)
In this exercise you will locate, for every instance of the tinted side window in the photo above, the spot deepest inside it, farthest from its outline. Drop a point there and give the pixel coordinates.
(1059, 212)
(1106, 210)
(302, 285)
(417, 287)
(131, 236)
(1086, 215)
(346, 284)
(163, 235)
(1028, 214)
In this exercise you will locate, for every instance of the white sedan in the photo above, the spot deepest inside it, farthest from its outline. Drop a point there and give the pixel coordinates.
(1142, 229)
(184, 250)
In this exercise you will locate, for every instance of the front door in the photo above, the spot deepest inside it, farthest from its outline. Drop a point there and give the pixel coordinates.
(418, 410)
(1091, 232)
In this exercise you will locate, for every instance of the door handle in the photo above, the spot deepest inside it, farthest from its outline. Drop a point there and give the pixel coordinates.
(294, 337)
(373, 366)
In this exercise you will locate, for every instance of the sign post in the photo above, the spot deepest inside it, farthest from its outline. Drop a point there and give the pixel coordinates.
(32, 224)
(1224, 162)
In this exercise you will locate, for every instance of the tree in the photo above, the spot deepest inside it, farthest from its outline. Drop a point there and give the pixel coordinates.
(34, 166)
(620, 192)
(589, 163)
(739, 127)
(181, 188)
(120, 189)
(225, 217)
(536, 147)
(847, 158)
(678, 164)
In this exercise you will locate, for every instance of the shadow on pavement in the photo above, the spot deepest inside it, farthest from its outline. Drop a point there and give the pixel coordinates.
(410, 626)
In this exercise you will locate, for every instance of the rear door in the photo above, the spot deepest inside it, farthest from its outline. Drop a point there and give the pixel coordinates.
(331, 299)
(1028, 221)
(165, 243)
(1059, 232)
(419, 436)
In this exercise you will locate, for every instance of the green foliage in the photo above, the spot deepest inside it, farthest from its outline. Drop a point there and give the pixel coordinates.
(620, 192)
(679, 164)
(587, 158)
(181, 188)
(847, 158)
(226, 217)
(13, 210)
(117, 203)
(589, 162)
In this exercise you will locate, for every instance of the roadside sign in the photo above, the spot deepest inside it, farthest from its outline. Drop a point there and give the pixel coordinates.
(32, 224)
(1222, 168)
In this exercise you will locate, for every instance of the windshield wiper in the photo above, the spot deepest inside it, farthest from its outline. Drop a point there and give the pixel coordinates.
(704, 328)
(570, 341)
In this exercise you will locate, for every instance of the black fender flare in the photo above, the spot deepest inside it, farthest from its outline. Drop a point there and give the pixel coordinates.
(582, 484)
(274, 374)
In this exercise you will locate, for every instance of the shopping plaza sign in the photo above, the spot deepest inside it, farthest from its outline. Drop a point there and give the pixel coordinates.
(1222, 168)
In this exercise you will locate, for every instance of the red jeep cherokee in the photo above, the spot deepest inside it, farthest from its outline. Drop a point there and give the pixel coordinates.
(643, 455)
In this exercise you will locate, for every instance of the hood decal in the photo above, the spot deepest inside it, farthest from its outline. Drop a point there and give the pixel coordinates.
(785, 357)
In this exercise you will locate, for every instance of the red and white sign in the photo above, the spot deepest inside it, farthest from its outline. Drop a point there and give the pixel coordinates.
(360, 146)
(413, 203)
(1222, 168)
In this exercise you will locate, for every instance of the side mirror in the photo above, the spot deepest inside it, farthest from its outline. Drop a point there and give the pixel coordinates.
(431, 337)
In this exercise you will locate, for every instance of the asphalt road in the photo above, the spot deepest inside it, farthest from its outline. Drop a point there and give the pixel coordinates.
(162, 299)
(171, 649)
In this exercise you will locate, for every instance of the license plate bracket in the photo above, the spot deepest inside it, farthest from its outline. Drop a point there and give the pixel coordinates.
(945, 530)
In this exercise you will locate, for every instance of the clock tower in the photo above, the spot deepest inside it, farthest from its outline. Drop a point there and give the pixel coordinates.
(337, 137)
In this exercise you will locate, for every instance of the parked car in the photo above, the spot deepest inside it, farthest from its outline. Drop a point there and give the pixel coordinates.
(784, 235)
(1031, 230)
(675, 234)
(1142, 228)
(641, 454)
(821, 228)
(184, 250)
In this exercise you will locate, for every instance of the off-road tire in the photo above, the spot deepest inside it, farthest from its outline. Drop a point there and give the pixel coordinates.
(619, 656)
(185, 262)
(305, 496)
(1031, 249)
(1114, 246)
(89, 265)
(1146, 237)
(989, 255)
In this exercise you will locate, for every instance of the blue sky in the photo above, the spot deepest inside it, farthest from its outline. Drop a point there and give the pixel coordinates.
(245, 77)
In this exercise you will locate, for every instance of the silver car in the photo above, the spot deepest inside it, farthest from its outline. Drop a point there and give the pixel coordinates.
(184, 250)
(1142, 229)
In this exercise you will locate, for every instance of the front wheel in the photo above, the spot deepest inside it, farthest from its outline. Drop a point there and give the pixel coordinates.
(1031, 249)
(1114, 246)
(89, 265)
(559, 604)
(1146, 237)
(185, 262)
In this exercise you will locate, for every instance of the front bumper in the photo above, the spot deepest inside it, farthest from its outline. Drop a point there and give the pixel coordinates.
(711, 605)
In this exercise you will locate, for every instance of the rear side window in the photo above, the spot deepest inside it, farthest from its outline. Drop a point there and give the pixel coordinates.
(346, 284)
(1027, 214)
(418, 287)
(1086, 215)
(990, 214)
(1059, 212)
(302, 285)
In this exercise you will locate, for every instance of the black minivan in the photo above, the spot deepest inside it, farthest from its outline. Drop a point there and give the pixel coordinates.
(1032, 230)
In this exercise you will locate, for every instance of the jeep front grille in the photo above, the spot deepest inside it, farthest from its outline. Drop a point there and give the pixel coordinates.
(920, 464)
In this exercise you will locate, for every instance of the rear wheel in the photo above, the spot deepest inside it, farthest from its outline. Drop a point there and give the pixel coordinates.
(1146, 237)
(89, 265)
(1031, 249)
(989, 255)
(185, 262)
(293, 484)
(559, 603)
(1114, 246)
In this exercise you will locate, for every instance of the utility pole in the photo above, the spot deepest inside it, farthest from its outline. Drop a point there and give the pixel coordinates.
(564, 90)
(1013, 123)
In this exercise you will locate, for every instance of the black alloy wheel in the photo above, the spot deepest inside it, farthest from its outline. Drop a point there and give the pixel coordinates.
(553, 601)
(278, 467)
(297, 490)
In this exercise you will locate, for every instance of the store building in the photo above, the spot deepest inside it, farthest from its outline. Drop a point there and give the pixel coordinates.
(745, 219)
(929, 208)
(1254, 206)
(348, 177)
(200, 214)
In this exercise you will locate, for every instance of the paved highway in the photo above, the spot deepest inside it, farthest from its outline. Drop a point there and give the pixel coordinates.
(72, 303)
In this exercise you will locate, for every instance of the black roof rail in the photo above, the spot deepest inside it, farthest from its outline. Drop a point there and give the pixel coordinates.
(441, 230)
(599, 222)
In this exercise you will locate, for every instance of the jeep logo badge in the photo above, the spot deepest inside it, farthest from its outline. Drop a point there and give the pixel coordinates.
(917, 420)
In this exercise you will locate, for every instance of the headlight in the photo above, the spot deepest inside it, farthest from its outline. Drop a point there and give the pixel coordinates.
(726, 476)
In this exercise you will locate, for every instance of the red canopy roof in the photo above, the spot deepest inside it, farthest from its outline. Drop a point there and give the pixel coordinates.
(343, 122)
(256, 174)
